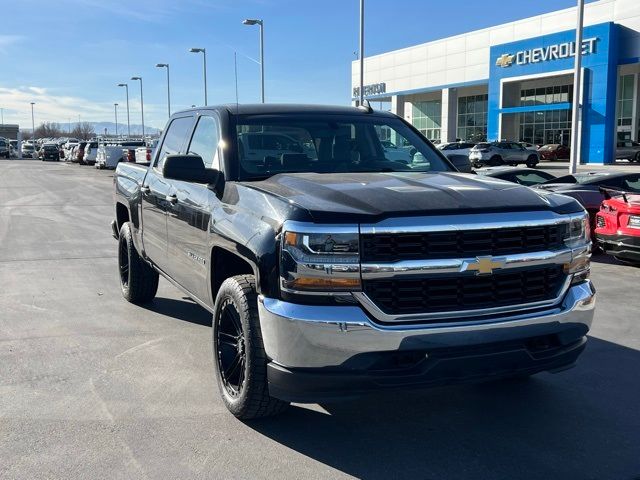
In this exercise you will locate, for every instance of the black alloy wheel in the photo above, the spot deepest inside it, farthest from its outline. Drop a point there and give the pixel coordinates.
(232, 353)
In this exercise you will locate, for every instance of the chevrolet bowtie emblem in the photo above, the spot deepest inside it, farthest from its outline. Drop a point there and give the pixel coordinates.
(505, 60)
(483, 265)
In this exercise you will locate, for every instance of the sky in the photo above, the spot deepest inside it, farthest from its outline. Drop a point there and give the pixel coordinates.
(67, 56)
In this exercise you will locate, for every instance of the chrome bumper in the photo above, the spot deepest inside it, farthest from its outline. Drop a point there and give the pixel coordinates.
(313, 336)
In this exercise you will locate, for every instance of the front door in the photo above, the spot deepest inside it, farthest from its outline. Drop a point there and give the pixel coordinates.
(189, 217)
(156, 191)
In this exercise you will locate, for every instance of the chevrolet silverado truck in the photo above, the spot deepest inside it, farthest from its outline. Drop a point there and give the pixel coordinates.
(332, 271)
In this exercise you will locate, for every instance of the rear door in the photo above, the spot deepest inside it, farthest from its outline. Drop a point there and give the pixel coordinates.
(189, 217)
(156, 191)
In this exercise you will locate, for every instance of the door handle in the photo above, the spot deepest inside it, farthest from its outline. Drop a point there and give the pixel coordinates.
(173, 199)
(145, 189)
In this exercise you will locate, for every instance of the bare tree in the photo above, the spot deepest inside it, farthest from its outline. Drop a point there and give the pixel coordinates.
(48, 130)
(83, 131)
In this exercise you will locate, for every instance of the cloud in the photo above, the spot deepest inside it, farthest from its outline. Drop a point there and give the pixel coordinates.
(7, 41)
(50, 107)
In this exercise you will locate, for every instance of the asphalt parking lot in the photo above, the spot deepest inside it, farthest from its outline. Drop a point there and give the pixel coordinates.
(93, 387)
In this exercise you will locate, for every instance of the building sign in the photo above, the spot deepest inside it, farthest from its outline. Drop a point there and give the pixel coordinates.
(544, 54)
(373, 89)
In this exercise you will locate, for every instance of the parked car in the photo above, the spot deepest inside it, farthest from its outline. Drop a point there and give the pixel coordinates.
(79, 153)
(91, 152)
(554, 151)
(618, 226)
(110, 154)
(29, 150)
(400, 154)
(334, 276)
(455, 148)
(5, 148)
(495, 154)
(629, 150)
(523, 176)
(586, 187)
(49, 151)
(529, 146)
(68, 148)
(145, 153)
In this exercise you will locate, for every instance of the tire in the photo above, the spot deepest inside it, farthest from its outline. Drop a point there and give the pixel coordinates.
(138, 281)
(239, 359)
(496, 161)
(636, 158)
(477, 165)
(532, 161)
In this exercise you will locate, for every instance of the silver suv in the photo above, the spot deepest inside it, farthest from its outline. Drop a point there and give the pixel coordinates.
(495, 154)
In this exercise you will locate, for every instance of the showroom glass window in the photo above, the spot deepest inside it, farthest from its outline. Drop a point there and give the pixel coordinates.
(546, 95)
(427, 117)
(625, 100)
(472, 118)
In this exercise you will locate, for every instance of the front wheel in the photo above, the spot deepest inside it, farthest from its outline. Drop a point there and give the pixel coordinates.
(532, 161)
(138, 281)
(495, 161)
(239, 358)
(636, 158)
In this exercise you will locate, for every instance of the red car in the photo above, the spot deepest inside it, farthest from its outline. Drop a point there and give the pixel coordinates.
(618, 227)
(554, 151)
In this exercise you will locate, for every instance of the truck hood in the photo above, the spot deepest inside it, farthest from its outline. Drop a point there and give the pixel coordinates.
(359, 196)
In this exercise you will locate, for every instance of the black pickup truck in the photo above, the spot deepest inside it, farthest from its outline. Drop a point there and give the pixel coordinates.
(333, 268)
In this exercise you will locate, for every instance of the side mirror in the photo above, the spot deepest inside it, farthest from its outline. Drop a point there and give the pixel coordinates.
(190, 168)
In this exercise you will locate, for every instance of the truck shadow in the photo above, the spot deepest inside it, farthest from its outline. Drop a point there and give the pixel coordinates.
(582, 423)
(183, 309)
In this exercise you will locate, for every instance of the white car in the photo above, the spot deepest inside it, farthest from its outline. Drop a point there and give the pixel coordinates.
(398, 154)
(29, 151)
(90, 153)
(110, 154)
(455, 148)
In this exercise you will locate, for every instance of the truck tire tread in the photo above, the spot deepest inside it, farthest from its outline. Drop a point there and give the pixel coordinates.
(142, 284)
(254, 401)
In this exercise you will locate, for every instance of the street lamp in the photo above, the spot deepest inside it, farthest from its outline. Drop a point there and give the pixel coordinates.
(33, 125)
(204, 57)
(141, 103)
(255, 21)
(576, 113)
(115, 109)
(166, 65)
(126, 86)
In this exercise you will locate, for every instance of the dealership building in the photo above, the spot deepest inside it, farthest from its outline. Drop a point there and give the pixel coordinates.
(515, 81)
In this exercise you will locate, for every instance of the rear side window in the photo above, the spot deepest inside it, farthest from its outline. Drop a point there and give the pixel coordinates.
(205, 142)
(174, 140)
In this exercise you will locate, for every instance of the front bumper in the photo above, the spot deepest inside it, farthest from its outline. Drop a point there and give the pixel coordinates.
(325, 352)
(626, 247)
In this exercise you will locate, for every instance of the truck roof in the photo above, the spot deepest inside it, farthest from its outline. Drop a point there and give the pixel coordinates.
(279, 108)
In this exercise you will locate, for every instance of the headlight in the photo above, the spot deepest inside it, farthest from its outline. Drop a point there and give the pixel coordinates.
(578, 238)
(578, 232)
(319, 259)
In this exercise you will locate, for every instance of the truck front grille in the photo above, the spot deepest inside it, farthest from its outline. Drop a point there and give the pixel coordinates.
(461, 244)
(441, 293)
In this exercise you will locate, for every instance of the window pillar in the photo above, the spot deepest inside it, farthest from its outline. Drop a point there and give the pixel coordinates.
(449, 114)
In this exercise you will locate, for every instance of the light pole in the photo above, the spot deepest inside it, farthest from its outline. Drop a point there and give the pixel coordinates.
(115, 110)
(361, 52)
(126, 86)
(576, 114)
(2, 114)
(166, 65)
(260, 22)
(33, 125)
(204, 57)
(141, 103)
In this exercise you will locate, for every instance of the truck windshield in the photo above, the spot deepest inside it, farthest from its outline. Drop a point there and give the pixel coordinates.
(268, 145)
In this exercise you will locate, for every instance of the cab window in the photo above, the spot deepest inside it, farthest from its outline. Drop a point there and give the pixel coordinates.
(205, 142)
(174, 140)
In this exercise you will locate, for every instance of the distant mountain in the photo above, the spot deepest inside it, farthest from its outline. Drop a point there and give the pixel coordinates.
(99, 128)
(136, 129)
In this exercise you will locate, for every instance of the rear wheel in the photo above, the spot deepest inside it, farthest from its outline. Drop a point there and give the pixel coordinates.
(496, 161)
(138, 281)
(239, 358)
